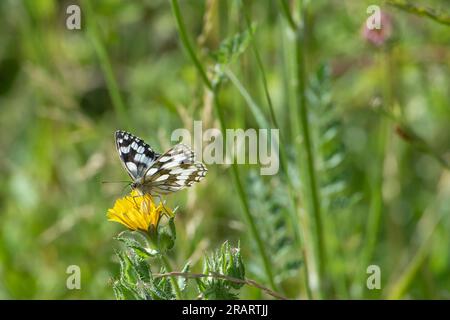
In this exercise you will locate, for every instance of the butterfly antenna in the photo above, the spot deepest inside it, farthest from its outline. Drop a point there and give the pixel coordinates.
(128, 182)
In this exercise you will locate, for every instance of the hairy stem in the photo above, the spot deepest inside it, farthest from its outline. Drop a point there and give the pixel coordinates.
(167, 266)
(224, 277)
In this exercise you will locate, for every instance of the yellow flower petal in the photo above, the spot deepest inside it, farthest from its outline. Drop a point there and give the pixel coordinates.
(138, 212)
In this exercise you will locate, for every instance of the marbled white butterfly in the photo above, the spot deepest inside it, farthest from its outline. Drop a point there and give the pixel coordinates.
(155, 173)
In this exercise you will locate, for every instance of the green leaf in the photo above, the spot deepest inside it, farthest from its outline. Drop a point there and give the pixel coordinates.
(237, 268)
(125, 267)
(182, 282)
(137, 247)
(142, 269)
(232, 47)
(172, 228)
(160, 292)
(124, 291)
(226, 261)
(167, 236)
(118, 290)
(165, 242)
(161, 288)
(228, 52)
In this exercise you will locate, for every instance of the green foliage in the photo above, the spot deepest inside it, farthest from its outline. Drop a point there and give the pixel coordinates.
(329, 145)
(166, 237)
(182, 281)
(136, 280)
(224, 261)
(437, 15)
(377, 115)
(268, 200)
(232, 47)
(228, 52)
(138, 248)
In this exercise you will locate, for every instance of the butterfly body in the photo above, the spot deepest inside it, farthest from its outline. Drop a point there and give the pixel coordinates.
(154, 173)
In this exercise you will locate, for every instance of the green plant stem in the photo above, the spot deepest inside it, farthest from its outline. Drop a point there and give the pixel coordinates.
(284, 167)
(152, 243)
(376, 186)
(254, 108)
(440, 17)
(286, 10)
(250, 220)
(425, 230)
(375, 213)
(410, 136)
(376, 194)
(259, 62)
(302, 227)
(223, 277)
(282, 154)
(273, 117)
(309, 150)
(174, 282)
(187, 45)
(263, 123)
(238, 184)
(318, 235)
(105, 64)
(401, 286)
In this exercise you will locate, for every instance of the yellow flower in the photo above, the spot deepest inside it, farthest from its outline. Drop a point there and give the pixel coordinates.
(138, 212)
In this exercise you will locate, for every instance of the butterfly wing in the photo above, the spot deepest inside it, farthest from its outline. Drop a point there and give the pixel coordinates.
(174, 170)
(136, 156)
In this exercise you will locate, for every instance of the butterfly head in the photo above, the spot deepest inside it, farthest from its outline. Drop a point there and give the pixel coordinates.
(136, 185)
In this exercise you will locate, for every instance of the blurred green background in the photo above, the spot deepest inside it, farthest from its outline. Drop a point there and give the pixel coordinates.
(379, 121)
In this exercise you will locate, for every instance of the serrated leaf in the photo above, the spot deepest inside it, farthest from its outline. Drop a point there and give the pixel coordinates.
(231, 48)
(131, 288)
(334, 161)
(118, 290)
(329, 135)
(158, 294)
(333, 188)
(182, 281)
(226, 261)
(167, 236)
(125, 267)
(142, 269)
(165, 242)
(137, 247)
(162, 287)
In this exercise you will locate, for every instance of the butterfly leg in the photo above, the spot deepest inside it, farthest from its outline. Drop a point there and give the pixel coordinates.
(134, 199)
(162, 202)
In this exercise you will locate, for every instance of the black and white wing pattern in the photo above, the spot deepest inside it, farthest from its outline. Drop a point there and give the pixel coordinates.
(154, 173)
(135, 155)
(174, 170)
